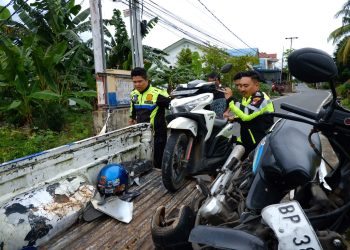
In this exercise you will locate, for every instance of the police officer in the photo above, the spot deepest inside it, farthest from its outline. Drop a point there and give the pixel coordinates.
(219, 102)
(249, 111)
(148, 104)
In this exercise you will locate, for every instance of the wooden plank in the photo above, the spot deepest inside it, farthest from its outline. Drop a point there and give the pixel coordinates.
(108, 233)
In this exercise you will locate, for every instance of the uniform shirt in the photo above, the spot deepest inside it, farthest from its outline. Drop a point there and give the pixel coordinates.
(149, 106)
(253, 125)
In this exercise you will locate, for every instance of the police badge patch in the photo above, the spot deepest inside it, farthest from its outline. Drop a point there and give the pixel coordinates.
(134, 98)
(256, 101)
(149, 97)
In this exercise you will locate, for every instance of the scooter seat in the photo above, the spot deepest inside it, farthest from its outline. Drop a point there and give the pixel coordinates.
(220, 123)
(291, 161)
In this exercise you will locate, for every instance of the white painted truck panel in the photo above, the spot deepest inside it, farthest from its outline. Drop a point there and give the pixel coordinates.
(43, 194)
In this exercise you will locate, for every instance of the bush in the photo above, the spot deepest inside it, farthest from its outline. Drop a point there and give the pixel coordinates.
(267, 89)
(19, 142)
(343, 90)
(50, 116)
(346, 103)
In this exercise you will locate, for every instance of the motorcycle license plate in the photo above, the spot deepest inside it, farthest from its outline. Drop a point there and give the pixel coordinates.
(291, 226)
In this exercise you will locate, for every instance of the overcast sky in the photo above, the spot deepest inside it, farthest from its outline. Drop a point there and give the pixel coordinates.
(259, 24)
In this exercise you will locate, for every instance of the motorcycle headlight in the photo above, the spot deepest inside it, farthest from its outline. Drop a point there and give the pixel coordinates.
(187, 107)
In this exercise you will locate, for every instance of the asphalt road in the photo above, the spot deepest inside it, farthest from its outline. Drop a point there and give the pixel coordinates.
(304, 97)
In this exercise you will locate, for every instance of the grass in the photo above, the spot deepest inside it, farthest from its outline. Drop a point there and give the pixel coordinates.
(19, 142)
(346, 103)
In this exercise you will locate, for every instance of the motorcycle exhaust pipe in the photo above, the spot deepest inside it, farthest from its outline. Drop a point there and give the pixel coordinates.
(234, 157)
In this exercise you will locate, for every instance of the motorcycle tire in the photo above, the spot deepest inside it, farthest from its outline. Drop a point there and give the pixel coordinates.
(173, 162)
(173, 233)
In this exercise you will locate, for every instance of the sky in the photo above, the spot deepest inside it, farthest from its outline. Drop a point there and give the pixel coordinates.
(257, 23)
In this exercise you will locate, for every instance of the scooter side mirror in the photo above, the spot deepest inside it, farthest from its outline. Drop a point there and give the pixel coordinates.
(226, 68)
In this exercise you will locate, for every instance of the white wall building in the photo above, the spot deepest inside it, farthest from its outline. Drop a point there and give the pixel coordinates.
(174, 49)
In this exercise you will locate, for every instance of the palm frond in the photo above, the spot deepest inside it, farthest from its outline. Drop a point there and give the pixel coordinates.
(81, 17)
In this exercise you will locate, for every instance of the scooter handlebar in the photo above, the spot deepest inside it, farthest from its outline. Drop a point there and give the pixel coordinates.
(299, 111)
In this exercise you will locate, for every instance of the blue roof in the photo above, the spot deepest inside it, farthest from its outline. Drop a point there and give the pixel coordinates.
(243, 52)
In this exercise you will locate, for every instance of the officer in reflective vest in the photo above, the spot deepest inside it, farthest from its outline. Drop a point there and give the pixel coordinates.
(148, 104)
(249, 111)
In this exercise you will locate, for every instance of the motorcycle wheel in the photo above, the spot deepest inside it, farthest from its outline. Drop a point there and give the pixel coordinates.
(173, 163)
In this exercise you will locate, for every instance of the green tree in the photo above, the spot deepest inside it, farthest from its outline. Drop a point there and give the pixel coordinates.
(214, 58)
(342, 33)
(343, 67)
(43, 61)
(184, 57)
(119, 49)
(197, 65)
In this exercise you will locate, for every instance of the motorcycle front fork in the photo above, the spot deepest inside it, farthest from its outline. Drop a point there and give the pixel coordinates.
(189, 149)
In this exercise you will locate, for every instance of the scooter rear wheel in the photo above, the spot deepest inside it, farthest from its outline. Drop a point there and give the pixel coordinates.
(174, 161)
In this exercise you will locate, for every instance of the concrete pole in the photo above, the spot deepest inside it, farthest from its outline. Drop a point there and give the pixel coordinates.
(97, 36)
(135, 30)
(290, 49)
(99, 52)
(282, 65)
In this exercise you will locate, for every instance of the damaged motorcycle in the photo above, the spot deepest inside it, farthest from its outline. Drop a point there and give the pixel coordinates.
(286, 196)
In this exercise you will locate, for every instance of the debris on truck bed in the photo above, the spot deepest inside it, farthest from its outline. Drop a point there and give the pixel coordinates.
(108, 233)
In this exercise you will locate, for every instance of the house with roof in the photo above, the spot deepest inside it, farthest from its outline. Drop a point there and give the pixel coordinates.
(174, 49)
(266, 64)
(243, 52)
(267, 67)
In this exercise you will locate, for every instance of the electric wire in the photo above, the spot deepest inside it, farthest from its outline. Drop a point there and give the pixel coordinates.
(7, 5)
(165, 21)
(15, 12)
(181, 20)
(225, 25)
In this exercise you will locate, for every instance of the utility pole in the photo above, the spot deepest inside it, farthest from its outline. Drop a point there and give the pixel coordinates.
(290, 50)
(282, 65)
(135, 30)
(97, 36)
(291, 40)
(98, 47)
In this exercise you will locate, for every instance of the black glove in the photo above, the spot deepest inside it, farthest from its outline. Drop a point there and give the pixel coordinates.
(231, 98)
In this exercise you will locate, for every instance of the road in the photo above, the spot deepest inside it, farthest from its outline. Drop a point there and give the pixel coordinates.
(305, 97)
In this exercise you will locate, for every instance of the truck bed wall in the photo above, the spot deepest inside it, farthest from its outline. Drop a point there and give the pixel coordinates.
(43, 194)
(85, 157)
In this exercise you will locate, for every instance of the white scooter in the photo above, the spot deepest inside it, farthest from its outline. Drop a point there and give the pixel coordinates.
(198, 143)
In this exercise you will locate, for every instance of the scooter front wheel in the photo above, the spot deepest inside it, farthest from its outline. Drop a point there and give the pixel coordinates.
(174, 161)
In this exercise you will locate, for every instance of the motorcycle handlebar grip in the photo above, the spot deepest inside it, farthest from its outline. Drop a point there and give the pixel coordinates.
(299, 111)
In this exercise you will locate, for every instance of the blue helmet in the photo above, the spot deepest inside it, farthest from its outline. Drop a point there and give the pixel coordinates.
(113, 179)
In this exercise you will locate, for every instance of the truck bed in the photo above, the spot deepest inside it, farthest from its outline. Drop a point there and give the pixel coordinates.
(108, 233)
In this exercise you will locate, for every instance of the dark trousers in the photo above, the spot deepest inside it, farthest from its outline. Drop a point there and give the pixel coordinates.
(159, 145)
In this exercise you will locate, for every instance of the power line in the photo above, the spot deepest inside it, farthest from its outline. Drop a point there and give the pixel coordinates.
(152, 14)
(184, 22)
(167, 23)
(177, 18)
(7, 5)
(225, 25)
(15, 12)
